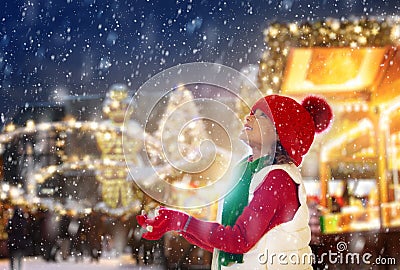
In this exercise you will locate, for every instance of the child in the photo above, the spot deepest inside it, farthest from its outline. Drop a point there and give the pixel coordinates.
(265, 217)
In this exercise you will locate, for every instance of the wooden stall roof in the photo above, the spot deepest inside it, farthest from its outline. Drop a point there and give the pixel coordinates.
(389, 86)
(367, 77)
(343, 74)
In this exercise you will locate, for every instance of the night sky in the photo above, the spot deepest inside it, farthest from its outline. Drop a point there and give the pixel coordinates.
(58, 47)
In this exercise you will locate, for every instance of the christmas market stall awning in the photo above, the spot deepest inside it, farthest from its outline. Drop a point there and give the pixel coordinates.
(342, 73)
(361, 85)
(354, 63)
(284, 39)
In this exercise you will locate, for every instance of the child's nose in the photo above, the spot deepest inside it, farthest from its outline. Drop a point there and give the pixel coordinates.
(249, 117)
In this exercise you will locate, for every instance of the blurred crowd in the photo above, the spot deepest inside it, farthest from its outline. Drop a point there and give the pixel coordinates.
(57, 236)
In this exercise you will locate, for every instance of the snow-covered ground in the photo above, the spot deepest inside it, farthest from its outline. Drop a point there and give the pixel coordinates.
(120, 263)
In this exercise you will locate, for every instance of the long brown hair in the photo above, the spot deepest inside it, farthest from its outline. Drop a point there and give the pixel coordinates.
(281, 156)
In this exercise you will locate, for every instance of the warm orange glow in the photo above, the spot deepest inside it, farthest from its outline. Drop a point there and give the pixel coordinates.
(332, 70)
(345, 138)
(326, 66)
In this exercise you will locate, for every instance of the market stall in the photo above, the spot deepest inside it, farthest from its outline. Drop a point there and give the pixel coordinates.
(354, 65)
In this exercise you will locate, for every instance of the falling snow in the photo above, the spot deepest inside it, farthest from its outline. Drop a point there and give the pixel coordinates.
(85, 46)
(50, 50)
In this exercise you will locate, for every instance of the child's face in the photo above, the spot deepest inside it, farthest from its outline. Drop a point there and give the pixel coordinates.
(259, 131)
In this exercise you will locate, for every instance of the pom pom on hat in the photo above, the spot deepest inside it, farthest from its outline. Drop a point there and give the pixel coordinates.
(295, 123)
(320, 111)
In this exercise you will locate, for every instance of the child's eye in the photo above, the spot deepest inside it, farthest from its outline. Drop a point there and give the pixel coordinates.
(261, 114)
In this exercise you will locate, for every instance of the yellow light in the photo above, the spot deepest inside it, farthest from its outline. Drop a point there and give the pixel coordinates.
(181, 138)
(387, 111)
(38, 178)
(364, 125)
(293, 28)
(44, 126)
(273, 32)
(71, 121)
(375, 30)
(6, 187)
(30, 125)
(106, 110)
(107, 136)
(353, 44)
(91, 166)
(93, 125)
(362, 40)
(335, 25)
(395, 33)
(10, 127)
(115, 104)
(14, 192)
(51, 169)
(357, 29)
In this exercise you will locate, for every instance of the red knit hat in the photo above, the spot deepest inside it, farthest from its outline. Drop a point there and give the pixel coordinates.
(296, 124)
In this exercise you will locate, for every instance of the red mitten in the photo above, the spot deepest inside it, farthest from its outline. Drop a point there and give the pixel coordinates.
(166, 220)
